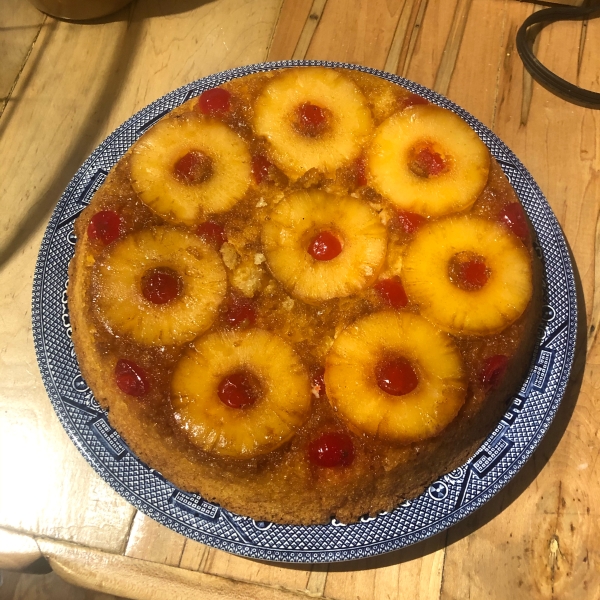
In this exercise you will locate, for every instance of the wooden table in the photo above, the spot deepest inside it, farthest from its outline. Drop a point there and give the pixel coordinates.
(64, 87)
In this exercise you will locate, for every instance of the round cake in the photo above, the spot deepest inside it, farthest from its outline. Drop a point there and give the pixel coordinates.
(305, 294)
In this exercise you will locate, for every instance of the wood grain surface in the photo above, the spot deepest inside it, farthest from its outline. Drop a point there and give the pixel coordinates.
(20, 25)
(65, 86)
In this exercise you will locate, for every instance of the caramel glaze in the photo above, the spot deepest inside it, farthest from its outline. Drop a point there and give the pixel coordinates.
(382, 475)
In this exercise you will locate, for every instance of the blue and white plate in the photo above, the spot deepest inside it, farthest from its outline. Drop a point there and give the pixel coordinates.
(448, 500)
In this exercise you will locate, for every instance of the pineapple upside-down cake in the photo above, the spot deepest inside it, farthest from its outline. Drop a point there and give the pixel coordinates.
(307, 293)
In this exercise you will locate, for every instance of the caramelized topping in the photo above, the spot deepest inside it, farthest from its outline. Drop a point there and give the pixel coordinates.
(396, 376)
(493, 370)
(392, 291)
(195, 167)
(161, 285)
(426, 162)
(468, 271)
(239, 389)
(105, 226)
(513, 216)
(212, 233)
(317, 382)
(131, 378)
(325, 246)
(214, 102)
(331, 449)
(312, 120)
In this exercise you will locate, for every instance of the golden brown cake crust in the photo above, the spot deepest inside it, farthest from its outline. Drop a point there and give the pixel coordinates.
(283, 486)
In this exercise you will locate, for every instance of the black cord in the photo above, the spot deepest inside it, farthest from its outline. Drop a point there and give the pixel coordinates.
(545, 77)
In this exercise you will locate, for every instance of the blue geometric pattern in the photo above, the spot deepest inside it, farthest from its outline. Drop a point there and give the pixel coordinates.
(447, 500)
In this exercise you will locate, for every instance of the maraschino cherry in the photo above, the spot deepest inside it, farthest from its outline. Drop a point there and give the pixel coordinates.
(426, 162)
(412, 100)
(493, 370)
(260, 168)
(325, 246)
(410, 221)
(396, 376)
(392, 291)
(331, 449)
(473, 274)
(240, 311)
(131, 378)
(193, 167)
(238, 390)
(105, 226)
(312, 119)
(214, 102)
(212, 233)
(513, 216)
(161, 285)
(360, 171)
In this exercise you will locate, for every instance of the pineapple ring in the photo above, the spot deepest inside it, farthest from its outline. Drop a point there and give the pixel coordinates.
(485, 311)
(351, 381)
(294, 223)
(240, 432)
(466, 156)
(117, 286)
(294, 153)
(156, 153)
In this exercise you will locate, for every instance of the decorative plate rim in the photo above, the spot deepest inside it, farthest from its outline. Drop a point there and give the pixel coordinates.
(236, 538)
